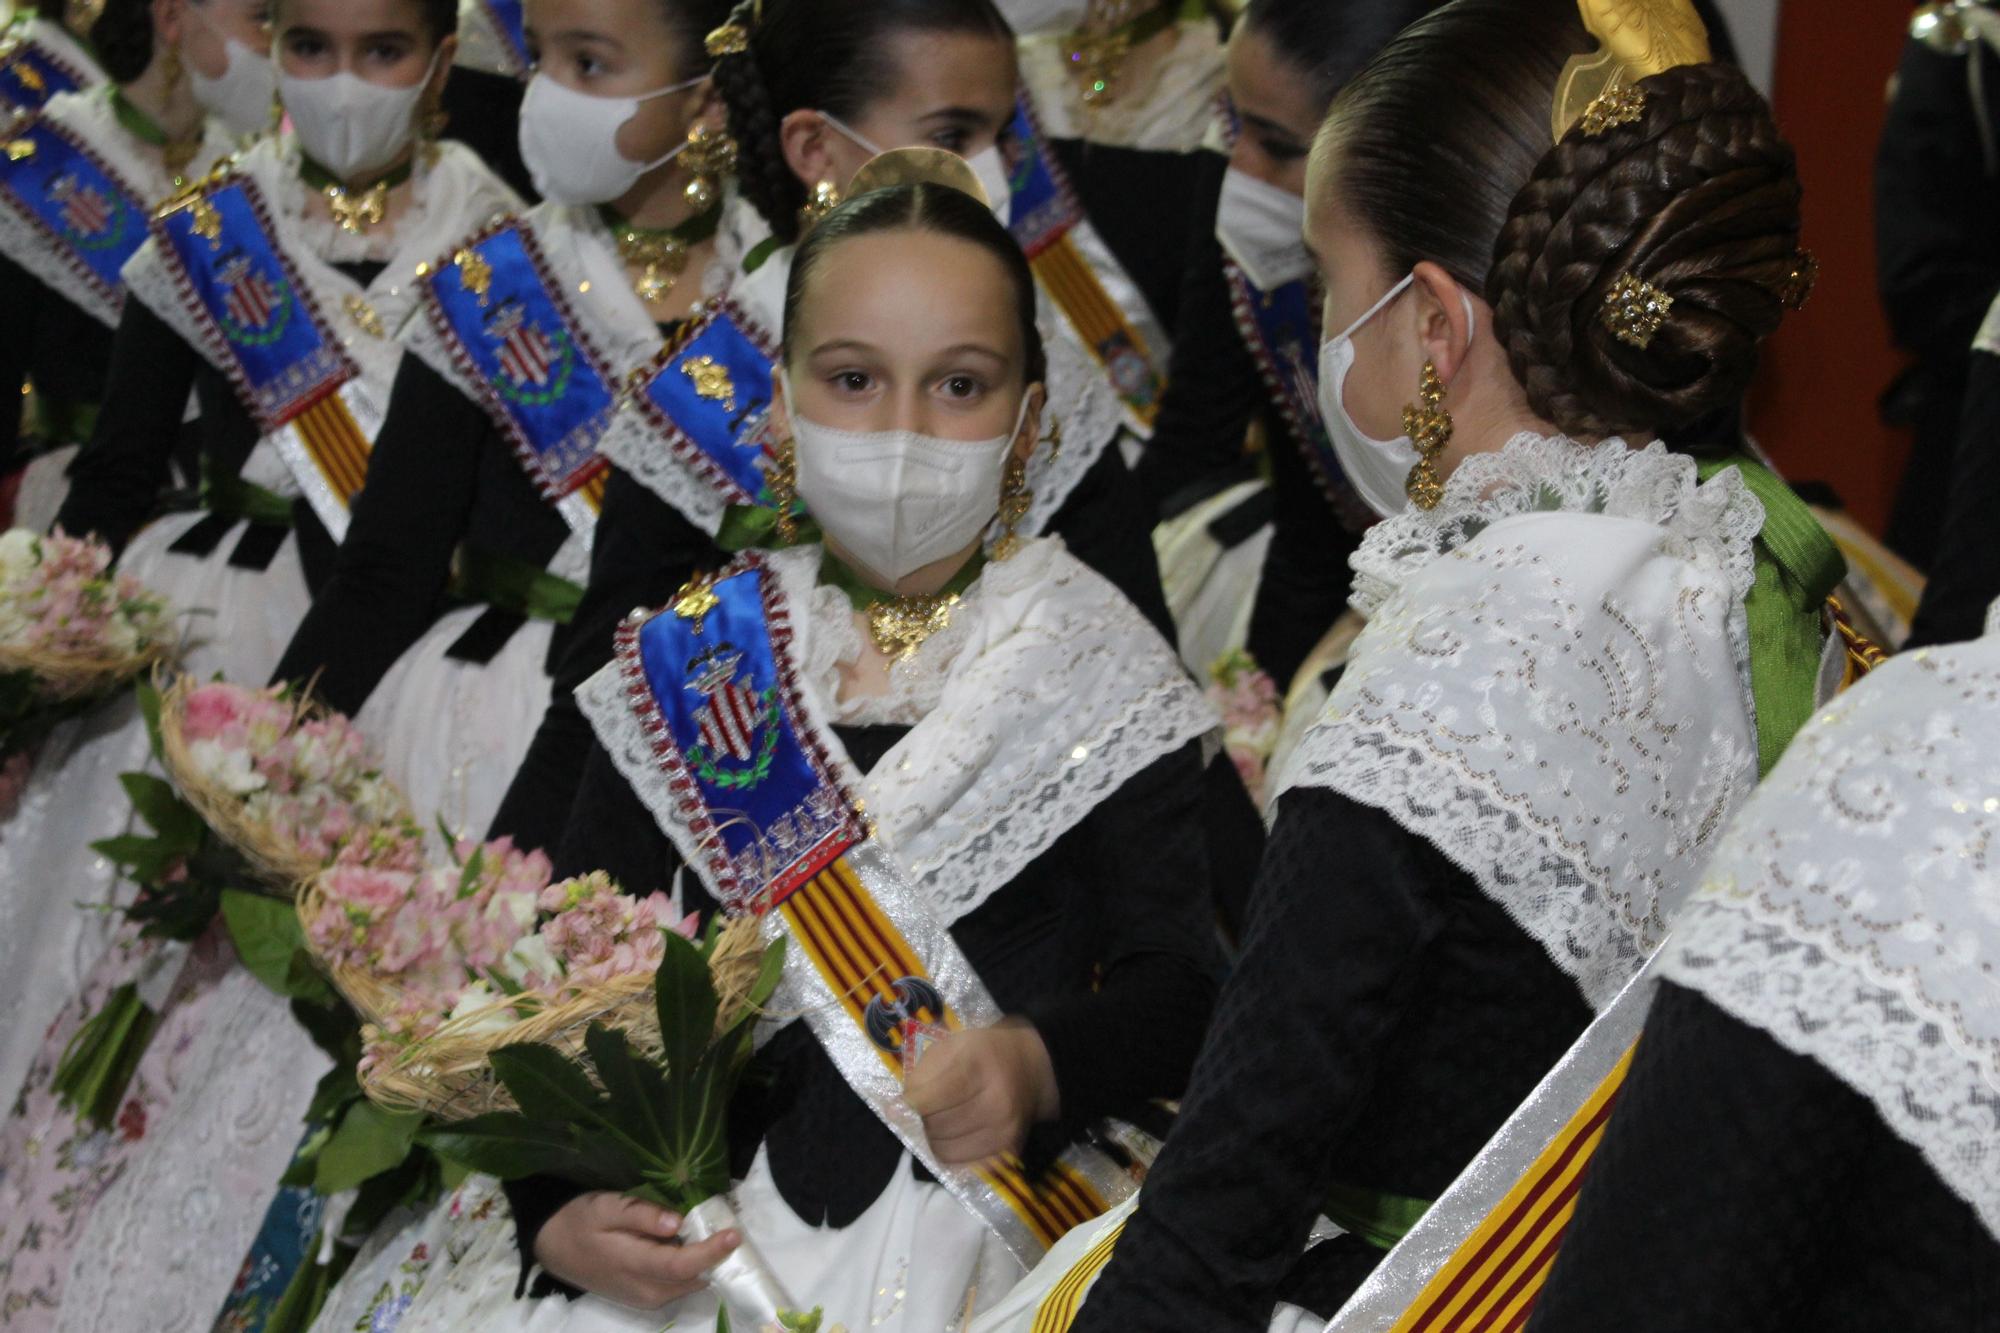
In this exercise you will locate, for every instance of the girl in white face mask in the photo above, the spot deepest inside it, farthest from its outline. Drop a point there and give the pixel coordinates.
(226, 47)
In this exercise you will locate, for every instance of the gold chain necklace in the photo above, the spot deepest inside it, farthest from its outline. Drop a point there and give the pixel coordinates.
(900, 625)
(664, 258)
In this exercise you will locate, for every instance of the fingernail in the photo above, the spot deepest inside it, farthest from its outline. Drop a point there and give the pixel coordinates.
(669, 1223)
(732, 1238)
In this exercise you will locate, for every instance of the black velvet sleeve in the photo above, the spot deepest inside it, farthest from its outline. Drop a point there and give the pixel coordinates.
(118, 475)
(1346, 908)
(642, 551)
(1150, 929)
(390, 577)
(20, 296)
(1212, 392)
(1965, 577)
(1742, 1186)
(1303, 587)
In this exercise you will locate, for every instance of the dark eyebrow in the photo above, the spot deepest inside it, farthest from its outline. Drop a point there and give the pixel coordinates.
(407, 34)
(842, 345)
(583, 35)
(957, 115)
(1269, 127)
(976, 349)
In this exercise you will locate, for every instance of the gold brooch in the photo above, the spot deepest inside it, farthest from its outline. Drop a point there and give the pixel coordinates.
(474, 273)
(1797, 288)
(711, 380)
(1635, 310)
(900, 625)
(365, 317)
(1620, 106)
(696, 599)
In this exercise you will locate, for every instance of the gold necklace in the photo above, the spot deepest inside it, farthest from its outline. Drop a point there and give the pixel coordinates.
(664, 258)
(900, 625)
(357, 212)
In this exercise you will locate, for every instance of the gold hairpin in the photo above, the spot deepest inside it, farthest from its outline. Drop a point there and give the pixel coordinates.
(1797, 288)
(1634, 311)
(1620, 106)
(728, 40)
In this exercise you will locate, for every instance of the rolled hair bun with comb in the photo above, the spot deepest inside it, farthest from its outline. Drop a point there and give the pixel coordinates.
(1698, 197)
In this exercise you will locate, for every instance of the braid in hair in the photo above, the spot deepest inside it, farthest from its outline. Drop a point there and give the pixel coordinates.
(761, 172)
(122, 36)
(1698, 197)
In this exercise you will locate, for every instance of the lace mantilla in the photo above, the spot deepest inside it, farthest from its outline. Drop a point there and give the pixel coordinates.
(455, 193)
(1552, 689)
(1853, 911)
(1057, 692)
(88, 115)
(1171, 114)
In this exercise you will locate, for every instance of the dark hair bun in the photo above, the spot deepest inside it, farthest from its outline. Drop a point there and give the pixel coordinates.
(1698, 197)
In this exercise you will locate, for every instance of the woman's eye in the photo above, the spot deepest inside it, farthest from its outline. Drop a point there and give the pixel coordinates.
(952, 140)
(1281, 150)
(961, 386)
(851, 381)
(305, 46)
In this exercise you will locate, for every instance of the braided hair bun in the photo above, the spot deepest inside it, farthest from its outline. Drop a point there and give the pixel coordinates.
(1698, 197)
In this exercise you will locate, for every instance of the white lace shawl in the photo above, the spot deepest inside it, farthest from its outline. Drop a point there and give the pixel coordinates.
(1080, 401)
(1170, 115)
(89, 116)
(455, 193)
(1553, 688)
(1853, 909)
(1046, 694)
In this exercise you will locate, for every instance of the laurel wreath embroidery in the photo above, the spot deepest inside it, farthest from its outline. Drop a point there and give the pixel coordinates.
(281, 319)
(558, 382)
(704, 765)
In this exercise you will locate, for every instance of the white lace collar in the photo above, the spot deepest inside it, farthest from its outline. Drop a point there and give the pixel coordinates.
(1049, 693)
(90, 117)
(1553, 688)
(1171, 115)
(1853, 910)
(454, 193)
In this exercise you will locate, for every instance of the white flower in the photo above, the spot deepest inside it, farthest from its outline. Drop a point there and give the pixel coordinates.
(20, 551)
(530, 953)
(228, 767)
(474, 999)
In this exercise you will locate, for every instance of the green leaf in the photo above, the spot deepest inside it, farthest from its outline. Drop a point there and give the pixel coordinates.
(685, 994)
(336, 1088)
(368, 1141)
(769, 974)
(266, 933)
(546, 1086)
(468, 876)
(721, 1318)
(98, 1063)
(127, 848)
(634, 1099)
(163, 810)
(305, 1159)
(511, 1146)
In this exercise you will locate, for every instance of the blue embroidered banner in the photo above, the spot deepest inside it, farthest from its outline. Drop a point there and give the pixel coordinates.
(1044, 207)
(30, 75)
(1281, 329)
(509, 329)
(768, 806)
(711, 396)
(258, 313)
(90, 213)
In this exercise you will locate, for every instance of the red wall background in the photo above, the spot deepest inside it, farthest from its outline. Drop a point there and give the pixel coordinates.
(1813, 405)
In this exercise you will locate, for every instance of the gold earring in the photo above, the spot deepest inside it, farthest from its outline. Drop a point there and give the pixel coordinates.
(825, 198)
(1429, 428)
(710, 154)
(1015, 497)
(781, 479)
(170, 69)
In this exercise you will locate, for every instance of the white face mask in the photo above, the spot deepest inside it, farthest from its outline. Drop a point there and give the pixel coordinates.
(1377, 469)
(570, 141)
(349, 125)
(241, 96)
(894, 500)
(991, 168)
(1261, 227)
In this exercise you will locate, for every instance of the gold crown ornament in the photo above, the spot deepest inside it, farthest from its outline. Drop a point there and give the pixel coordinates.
(917, 166)
(1636, 39)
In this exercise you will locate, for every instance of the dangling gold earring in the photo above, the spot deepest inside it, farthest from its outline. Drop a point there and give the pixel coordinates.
(782, 480)
(825, 198)
(170, 69)
(433, 119)
(1015, 497)
(711, 155)
(1429, 428)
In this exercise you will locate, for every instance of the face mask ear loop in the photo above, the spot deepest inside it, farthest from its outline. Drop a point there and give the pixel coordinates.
(667, 91)
(1377, 308)
(855, 136)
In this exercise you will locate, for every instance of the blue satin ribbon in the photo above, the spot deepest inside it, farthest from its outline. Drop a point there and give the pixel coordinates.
(1042, 207)
(776, 818)
(30, 76)
(714, 392)
(543, 385)
(89, 212)
(1282, 330)
(285, 360)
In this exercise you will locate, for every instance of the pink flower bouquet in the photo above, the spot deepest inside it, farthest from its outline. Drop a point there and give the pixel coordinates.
(1252, 716)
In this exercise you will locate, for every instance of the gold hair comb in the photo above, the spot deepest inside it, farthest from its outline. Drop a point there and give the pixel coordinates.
(1636, 39)
(1634, 311)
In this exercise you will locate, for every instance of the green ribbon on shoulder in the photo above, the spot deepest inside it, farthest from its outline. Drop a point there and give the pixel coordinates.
(515, 585)
(1375, 1216)
(1798, 567)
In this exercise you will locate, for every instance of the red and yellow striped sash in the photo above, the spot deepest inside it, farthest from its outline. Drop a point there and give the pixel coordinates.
(1075, 288)
(335, 443)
